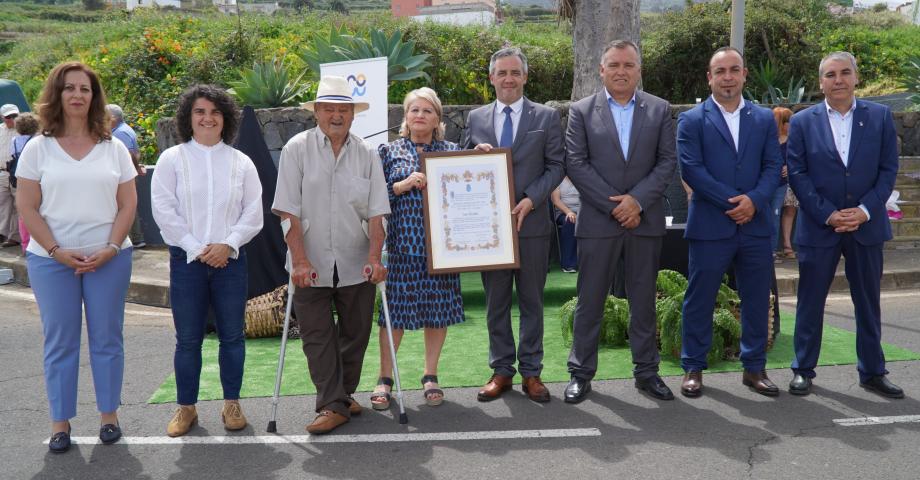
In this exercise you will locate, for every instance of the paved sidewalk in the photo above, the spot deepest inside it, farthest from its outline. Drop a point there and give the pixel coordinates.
(150, 275)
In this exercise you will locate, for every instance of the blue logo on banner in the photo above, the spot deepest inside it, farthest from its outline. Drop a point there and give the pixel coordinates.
(359, 81)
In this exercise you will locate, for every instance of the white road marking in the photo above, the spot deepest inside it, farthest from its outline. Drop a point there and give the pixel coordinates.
(367, 438)
(864, 421)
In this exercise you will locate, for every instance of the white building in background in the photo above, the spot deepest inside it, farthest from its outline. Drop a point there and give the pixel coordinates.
(911, 10)
(229, 6)
(132, 4)
(472, 13)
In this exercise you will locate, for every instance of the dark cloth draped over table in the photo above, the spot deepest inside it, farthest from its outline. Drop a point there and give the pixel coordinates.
(267, 250)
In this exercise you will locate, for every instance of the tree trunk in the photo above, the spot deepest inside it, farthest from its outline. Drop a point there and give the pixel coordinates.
(598, 22)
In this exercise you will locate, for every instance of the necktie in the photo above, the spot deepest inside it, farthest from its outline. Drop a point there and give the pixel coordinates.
(507, 130)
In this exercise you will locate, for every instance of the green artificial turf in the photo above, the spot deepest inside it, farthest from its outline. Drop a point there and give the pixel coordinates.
(464, 359)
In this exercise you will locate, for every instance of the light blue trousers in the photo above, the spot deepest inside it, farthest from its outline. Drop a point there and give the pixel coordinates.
(62, 297)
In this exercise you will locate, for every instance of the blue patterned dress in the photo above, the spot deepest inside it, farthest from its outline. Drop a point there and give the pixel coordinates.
(416, 299)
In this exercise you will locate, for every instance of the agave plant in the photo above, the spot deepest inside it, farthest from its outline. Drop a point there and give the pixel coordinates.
(402, 63)
(267, 85)
(770, 80)
(912, 80)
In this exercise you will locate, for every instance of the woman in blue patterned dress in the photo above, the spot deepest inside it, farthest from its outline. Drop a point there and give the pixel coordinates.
(416, 299)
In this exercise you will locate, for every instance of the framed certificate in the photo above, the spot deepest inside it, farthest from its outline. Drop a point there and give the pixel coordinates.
(467, 207)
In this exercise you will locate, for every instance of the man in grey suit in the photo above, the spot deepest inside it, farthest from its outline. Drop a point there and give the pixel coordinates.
(534, 134)
(620, 156)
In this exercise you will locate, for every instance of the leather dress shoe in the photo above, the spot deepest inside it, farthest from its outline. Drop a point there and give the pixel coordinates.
(655, 387)
(109, 433)
(692, 384)
(577, 390)
(354, 408)
(535, 389)
(800, 385)
(880, 385)
(760, 383)
(497, 385)
(326, 421)
(60, 442)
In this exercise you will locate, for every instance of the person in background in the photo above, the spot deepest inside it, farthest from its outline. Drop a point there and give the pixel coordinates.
(75, 191)
(207, 201)
(126, 134)
(416, 299)
(790, 203)
(26, 127)
(781, 116)
(9, 231)
(567, 204)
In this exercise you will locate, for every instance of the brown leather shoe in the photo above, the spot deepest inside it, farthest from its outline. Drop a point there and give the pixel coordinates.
(692, 385)
(760, 383)
(354, 408)
(325, 422)
(232, 415)
(497, 385)
(535, 389)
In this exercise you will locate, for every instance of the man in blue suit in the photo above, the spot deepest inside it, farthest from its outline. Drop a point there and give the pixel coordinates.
(729, 155)
(843, 160)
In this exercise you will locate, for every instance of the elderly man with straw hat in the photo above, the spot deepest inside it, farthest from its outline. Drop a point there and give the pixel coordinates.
(332, 195)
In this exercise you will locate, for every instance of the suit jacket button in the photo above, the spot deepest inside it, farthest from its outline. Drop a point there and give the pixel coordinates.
(849, 196)
(848, 174)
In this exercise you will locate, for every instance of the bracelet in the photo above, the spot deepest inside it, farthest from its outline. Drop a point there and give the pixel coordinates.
(116, 247)
(53, 249)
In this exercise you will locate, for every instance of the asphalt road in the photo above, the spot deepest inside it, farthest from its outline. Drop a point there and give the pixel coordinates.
(729, 433)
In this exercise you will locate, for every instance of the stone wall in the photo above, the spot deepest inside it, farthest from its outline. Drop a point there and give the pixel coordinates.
(280, 124)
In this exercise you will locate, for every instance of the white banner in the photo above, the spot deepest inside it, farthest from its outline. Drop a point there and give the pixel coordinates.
(368, 81)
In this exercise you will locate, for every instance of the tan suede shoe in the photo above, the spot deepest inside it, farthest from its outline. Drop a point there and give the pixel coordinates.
(326, 421)
(184, 419)
(232, 415)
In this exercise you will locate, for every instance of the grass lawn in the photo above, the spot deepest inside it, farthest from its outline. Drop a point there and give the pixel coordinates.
(464, 360)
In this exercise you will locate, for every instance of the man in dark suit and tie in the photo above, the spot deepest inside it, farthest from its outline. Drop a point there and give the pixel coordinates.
(843, 160)
(620, 156)
(729, 155)
(533, 133)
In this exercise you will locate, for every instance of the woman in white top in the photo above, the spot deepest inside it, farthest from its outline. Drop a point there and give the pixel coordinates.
(207, 201)
(75, 192)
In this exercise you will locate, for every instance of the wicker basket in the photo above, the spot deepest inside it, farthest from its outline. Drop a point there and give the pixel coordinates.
(265, 314)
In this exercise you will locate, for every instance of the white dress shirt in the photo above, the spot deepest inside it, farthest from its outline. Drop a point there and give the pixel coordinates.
(499, 117)
(203, 195)
(733, 119)
(842, 129)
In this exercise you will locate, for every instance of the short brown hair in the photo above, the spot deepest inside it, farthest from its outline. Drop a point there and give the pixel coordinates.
(26, 124)
(51, 111)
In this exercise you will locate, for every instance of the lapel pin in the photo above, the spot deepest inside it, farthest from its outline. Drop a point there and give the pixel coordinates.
(860, 124)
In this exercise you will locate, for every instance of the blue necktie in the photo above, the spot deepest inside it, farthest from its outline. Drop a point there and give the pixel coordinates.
(507, 130)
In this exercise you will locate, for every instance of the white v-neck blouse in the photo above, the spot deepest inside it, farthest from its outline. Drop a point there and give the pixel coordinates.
(78, 196)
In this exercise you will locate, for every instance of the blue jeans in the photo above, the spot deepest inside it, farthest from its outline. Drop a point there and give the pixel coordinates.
(776, 208)
(62, 297)
(193, 289)
(568, 244)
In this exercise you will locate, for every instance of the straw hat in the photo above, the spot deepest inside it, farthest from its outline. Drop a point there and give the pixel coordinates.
(334, 89)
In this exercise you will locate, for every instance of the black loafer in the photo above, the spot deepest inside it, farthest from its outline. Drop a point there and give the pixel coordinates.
(880, 384)
(800, 385)
(60, 442)
(109, 433)
(655, 387)
(577, 390)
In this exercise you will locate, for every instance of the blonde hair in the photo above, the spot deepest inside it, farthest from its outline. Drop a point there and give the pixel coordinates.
(431, 97)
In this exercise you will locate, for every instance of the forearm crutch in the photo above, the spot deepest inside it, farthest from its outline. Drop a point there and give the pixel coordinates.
(272, 426)
(382, 286)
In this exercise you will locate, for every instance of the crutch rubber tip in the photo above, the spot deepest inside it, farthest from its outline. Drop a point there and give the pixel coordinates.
(403, 419)
(272, 427)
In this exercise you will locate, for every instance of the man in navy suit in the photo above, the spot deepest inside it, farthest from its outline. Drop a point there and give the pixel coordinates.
(729, 155)
(843, 160)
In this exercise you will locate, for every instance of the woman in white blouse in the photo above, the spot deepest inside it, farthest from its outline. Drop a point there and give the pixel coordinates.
(207, 201)
(76, 196)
